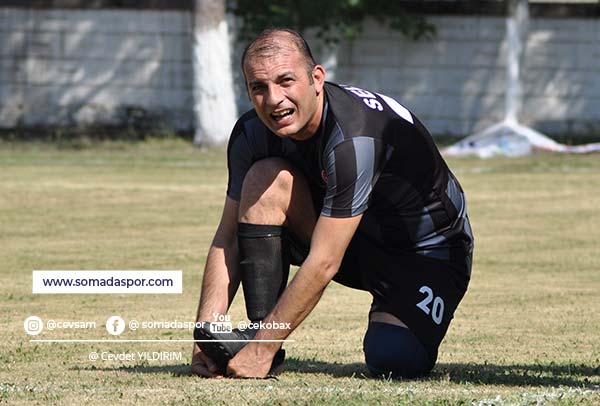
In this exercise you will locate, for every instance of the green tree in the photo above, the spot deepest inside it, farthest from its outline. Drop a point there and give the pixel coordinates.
(333, 19)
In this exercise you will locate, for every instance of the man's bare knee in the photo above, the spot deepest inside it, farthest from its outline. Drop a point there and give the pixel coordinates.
(271, 173)
(266, 192)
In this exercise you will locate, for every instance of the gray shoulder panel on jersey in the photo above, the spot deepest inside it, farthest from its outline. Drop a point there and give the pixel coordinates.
(351, 177)
(336, 137)
(332, 183)
(328, 164)
(364, 148)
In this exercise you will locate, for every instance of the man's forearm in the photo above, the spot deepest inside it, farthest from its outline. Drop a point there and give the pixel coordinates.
(220, 281)
(298, 299)
(221, 277)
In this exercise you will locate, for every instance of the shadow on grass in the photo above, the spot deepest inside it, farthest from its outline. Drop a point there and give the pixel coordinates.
(551, 375)
(483, 374)
(338, 370)
(520, 374)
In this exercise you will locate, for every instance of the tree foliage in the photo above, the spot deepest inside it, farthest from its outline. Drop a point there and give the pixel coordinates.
(332, 19)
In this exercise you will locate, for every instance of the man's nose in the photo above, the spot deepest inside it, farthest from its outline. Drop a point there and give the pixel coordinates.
(274, 95)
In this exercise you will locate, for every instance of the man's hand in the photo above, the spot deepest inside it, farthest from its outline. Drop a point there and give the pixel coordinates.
(202, 365)
(253, 361)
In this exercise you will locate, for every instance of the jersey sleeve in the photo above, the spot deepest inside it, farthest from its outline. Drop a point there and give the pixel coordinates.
(351, 169)
(239, 161)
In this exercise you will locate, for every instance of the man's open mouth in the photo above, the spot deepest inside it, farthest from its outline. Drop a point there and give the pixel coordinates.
(281, 114)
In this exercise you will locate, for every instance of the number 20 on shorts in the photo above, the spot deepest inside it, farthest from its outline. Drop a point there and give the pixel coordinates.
(436, 310)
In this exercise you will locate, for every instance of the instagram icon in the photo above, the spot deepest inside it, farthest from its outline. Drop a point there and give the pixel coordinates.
(33, 325)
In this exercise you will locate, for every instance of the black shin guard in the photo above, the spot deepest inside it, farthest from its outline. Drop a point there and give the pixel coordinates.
(264, 267)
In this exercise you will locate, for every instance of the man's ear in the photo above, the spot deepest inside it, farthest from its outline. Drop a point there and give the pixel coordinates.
(318, 75)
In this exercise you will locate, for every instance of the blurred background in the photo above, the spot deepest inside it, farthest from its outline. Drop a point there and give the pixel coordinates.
(110, 68)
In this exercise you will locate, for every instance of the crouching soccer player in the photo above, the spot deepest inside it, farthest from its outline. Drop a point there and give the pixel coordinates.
(348, 184)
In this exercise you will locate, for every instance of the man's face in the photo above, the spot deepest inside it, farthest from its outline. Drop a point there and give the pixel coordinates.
(282, 93)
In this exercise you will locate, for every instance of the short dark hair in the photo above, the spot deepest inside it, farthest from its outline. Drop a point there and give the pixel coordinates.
(266, 44)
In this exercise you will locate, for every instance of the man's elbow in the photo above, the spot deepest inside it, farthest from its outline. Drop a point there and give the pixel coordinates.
(324, 267)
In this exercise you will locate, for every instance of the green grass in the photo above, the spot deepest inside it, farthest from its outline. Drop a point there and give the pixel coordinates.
(527, 332)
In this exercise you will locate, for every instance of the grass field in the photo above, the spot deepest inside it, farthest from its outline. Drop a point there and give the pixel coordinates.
(527, 332)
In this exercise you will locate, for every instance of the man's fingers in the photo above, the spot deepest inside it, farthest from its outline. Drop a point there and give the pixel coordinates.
(208, 362)
(201, 369)
(203, 366)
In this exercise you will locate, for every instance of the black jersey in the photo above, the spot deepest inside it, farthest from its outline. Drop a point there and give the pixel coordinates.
(370, 156)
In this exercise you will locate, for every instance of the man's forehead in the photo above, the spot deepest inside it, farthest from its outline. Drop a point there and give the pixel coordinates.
(271, 65)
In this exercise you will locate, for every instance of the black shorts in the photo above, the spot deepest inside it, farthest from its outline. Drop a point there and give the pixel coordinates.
(421, 291)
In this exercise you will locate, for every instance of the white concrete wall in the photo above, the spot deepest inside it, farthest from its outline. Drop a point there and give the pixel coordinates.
(82, 66)
(456, 82)
(562, 74)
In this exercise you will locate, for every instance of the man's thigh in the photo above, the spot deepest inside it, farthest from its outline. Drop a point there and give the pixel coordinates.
(422, 292)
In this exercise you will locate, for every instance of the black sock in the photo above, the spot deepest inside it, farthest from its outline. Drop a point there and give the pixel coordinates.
(264, 267)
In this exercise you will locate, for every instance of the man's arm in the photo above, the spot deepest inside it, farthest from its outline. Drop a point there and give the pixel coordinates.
(220, 281)
(328, 245)
(221, 277)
